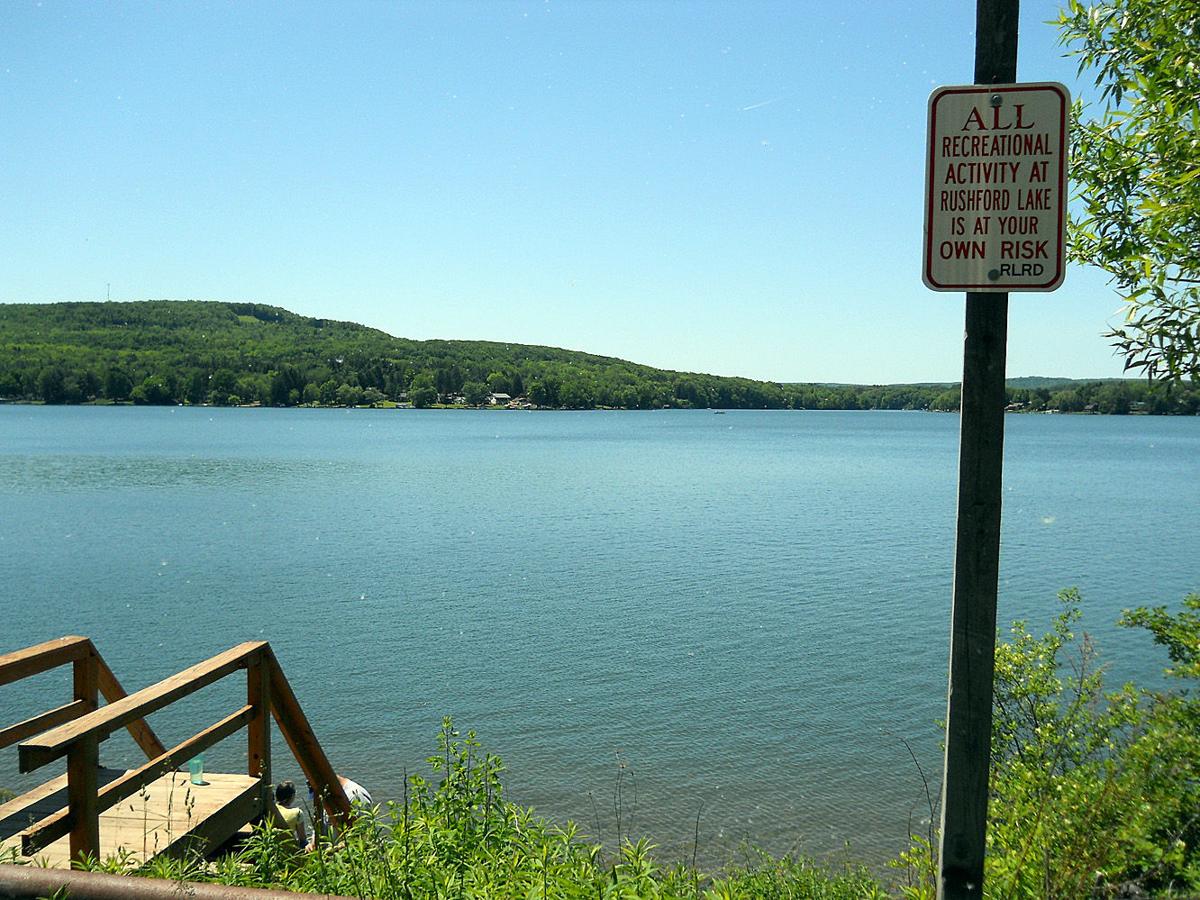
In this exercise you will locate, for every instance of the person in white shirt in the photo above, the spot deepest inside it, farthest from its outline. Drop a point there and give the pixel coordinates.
(355, 792)
(360, 802)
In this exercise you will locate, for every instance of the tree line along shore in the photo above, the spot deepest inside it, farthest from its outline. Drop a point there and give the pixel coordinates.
(235, 354)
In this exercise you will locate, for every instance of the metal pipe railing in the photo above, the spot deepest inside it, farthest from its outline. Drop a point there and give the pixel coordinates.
(24, 882)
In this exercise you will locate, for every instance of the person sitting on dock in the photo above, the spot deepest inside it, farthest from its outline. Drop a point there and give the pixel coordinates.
(291, 819)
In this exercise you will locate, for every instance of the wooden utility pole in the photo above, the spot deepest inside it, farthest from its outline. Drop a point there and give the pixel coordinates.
(977, 541)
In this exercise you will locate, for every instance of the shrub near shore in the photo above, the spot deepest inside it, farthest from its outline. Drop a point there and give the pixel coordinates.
(1093, 793)
(461, 838)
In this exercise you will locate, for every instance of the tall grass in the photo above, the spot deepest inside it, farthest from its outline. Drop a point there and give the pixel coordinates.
(454, 835)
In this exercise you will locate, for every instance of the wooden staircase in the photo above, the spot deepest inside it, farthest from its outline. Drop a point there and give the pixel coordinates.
(84, 813)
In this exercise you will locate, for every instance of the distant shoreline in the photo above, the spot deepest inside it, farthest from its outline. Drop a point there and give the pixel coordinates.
(447, 407)
(160, 353)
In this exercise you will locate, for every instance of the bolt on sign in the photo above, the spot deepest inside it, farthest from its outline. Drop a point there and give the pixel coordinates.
(996, 187)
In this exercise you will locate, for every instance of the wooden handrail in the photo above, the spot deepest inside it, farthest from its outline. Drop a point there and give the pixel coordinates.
(42, 657)
(39, 723)
(54, 744)
(305, 747)
(76, 729)
(82, 653)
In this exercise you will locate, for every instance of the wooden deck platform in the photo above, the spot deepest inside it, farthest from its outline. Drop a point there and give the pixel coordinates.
(169, 816)
(134, 815)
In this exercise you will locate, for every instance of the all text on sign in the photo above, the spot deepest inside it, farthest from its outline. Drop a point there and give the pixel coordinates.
(996, 187)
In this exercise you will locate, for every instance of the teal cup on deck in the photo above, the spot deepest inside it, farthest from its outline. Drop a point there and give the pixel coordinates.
(196, 770)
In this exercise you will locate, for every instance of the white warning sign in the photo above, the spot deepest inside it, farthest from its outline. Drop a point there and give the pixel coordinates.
(996, 187)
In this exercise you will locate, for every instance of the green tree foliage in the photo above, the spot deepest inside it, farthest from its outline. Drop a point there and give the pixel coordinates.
(1136, 164)
(327, 392)
(348, 395)
(501, 383)
(10, 386)
(155, 390)
(947, 400)
(1093, 794)
(422, 392)
(51, 385)
(475, 393)
(221, 384)
(287, 385)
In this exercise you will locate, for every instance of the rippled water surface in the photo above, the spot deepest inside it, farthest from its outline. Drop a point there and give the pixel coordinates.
(741, 616)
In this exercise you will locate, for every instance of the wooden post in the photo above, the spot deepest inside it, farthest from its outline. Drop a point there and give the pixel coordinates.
(85, 675)
(83, 761)
(258, 696)
(977, 541)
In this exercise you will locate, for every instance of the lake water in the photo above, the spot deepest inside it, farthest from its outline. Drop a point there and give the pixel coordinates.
(741, 617)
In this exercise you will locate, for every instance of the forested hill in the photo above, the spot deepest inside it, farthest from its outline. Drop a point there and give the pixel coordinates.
(238, 353)
(188, 351)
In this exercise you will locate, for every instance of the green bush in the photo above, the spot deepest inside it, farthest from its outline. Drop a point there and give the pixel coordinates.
(454, 835)
(1092, 793)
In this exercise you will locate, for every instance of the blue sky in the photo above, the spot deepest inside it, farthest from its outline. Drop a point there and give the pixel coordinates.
(724, 187)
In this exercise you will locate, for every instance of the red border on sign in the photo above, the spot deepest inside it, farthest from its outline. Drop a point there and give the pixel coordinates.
(1064, 103)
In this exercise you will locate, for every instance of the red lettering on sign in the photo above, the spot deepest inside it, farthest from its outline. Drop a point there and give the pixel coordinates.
(977, 118)
(963, 249)
(1036, 198)
(1023, 249)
